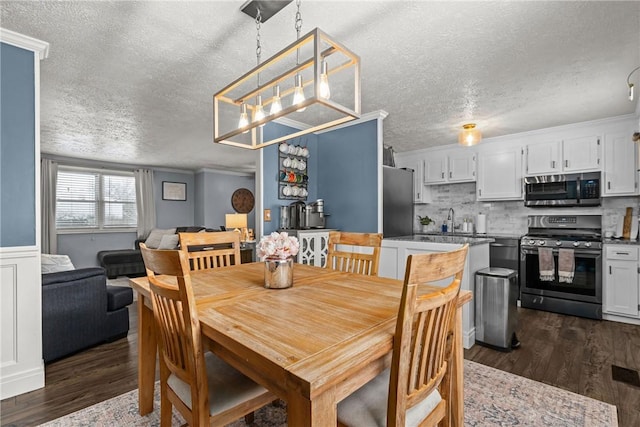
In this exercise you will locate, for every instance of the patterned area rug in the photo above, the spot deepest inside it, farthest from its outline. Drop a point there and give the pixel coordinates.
(491, 398)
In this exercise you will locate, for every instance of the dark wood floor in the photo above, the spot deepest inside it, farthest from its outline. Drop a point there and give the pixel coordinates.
(574, 354)
(568, 352)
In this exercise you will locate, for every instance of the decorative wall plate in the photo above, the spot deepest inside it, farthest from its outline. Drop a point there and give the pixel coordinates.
(242, 200)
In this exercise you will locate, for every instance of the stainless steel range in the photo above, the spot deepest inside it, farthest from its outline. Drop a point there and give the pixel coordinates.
(568, 284)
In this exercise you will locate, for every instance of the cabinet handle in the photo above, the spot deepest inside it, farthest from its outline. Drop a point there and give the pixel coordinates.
(622, 253)
(566, 163)
(450, 174)
(609, 269)
(442, 175)
(553, 164)
(608, 185)
(418, 196)
(480, 192)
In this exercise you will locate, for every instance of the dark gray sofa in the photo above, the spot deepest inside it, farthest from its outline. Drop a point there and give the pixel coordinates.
(128, 262)
(80, 310)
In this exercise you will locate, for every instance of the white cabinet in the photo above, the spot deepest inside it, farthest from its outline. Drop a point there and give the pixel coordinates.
(313, 247)
(454, 165)
(420, 193)
(620, 177)
(499, 174)
(621, 287)
(579, 154)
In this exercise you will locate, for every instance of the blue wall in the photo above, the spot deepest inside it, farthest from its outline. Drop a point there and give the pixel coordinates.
(17, 147)
(174, 213)
(271, 167)
(214, 202)
(348, 177)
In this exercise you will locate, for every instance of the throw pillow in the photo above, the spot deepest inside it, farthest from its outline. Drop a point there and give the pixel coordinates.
(153, 241)
(54, 263)
(169, 241)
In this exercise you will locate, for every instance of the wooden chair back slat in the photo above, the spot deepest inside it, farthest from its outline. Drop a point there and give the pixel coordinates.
(221, 249)
(354, 262)
(423, 338)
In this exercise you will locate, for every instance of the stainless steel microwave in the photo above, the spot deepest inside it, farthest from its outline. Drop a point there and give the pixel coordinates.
(574, 189)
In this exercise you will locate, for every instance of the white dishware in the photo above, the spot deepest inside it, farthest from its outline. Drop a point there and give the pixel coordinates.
(294, 163)
(302, 165)
(292, 149)
(286, 190)
(295, 191)
(305, 152)
(298, 150)
(304, 193)
(284, 147)
(286, 162)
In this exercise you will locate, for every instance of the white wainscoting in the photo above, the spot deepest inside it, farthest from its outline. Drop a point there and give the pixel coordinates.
(21, 365)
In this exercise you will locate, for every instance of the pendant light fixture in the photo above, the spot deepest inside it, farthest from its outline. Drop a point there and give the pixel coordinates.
(469, 135)
(308, 101)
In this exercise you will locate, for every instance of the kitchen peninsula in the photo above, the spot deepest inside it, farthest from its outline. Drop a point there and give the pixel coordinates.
(395, 250)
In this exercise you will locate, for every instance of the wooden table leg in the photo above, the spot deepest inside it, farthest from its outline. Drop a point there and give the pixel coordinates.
(457, 374)
(319, 412)
(147, 351)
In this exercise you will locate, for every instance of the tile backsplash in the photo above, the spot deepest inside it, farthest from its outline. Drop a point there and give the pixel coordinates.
(510, 217)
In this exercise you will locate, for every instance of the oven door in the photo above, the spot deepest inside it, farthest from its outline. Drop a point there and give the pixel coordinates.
(587, 280)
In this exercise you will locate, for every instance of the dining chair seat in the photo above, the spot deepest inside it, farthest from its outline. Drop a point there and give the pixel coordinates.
(367, 407)
(228, 388)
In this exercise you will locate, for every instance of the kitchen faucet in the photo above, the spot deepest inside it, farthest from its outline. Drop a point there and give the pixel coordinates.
(450, 218)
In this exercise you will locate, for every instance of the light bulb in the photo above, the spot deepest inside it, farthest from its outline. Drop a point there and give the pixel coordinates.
(244, 118)
(258, 114)
(325, 91)
(630, 91)
(298, 93)
(276, 105)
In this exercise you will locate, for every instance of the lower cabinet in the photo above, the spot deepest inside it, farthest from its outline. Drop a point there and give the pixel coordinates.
(313, 247)
(621, 284)
(393, 260)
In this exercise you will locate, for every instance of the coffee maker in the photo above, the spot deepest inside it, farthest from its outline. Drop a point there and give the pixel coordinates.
(297, 215)
(315, 214)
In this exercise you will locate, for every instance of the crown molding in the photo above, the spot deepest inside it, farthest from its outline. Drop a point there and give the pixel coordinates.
(374, 115)
(25, 42)
(292, 123)
(226, 172)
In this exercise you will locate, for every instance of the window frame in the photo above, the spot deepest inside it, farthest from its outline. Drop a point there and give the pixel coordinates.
(100, 201)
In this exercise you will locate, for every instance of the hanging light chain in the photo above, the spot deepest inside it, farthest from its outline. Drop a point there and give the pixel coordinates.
(298, 19)
(258, 44)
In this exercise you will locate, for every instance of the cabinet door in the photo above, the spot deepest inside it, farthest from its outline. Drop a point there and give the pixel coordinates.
(621, 288)
(313, 248)
(500, 175)
(544, 158)
(435, 168)
(620, 177)
(581, 154)
(462, 166)
(420, 193)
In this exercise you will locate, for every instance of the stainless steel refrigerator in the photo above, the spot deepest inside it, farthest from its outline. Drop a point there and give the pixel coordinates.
(397, 202)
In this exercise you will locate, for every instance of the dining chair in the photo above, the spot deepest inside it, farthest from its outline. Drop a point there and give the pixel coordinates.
(352, 261)
(411, 392)
(211, 249)
(204, 389)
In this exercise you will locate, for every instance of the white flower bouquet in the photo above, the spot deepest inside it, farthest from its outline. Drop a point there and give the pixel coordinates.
(278, 246)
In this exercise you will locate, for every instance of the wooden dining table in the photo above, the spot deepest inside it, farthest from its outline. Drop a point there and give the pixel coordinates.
(312, 344)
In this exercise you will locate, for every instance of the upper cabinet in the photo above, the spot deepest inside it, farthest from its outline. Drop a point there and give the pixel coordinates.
(500, 174)
(421, 194)
(620, 177)
(581, 154)
(449, 166)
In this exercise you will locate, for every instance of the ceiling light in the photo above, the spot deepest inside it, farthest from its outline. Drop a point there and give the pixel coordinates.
(244, 118)
(631, 84)
(469, 135)
(302, 62)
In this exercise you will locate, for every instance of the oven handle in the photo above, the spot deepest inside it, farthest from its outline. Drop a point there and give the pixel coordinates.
(578, 252)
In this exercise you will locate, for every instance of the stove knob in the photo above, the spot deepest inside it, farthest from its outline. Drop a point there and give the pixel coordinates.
(558, 243)
(587, 244)
(541, 242)
(576, 244)
(532, 242)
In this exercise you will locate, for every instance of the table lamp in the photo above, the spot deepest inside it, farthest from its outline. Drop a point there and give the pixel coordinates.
(237, 222)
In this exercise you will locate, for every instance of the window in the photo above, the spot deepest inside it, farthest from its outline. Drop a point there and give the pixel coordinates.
(95, 199)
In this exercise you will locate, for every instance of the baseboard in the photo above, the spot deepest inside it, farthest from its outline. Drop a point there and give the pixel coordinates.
(621, 319)
(469, 338)
(22, 382)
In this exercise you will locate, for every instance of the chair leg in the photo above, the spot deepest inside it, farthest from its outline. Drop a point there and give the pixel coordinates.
(166, 410)
(249, 418)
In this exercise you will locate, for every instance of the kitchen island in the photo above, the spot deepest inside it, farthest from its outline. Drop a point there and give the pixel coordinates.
(395, 250)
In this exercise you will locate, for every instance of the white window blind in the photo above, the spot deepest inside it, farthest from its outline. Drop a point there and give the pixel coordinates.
(95, 199)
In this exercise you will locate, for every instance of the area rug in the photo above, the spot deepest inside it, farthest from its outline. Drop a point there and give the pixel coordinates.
(491, 398)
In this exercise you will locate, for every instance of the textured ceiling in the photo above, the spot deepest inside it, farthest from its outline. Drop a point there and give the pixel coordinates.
(132, 82)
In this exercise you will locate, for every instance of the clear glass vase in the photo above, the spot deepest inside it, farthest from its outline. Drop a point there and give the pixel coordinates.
(278, 273)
